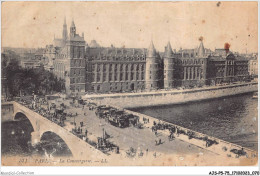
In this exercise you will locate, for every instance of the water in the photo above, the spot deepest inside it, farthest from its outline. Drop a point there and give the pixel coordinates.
(16, 140)
(232, 119)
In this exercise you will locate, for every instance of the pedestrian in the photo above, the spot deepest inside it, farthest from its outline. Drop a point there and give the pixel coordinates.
(86, 132)
(148, 120)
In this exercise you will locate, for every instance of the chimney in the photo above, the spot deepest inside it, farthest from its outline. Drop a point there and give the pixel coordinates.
(83, 35)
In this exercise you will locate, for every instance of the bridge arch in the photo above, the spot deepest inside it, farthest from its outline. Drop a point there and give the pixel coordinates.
(77, 146)
(18, 114)
(39, 130)
(57, 138)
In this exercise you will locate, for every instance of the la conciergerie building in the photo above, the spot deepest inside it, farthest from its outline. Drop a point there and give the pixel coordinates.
(111, 69)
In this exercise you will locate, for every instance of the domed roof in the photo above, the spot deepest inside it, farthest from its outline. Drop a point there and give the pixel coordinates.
(151, 50)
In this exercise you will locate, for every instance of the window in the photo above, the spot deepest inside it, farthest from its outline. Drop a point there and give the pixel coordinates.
(121, 76)
(115, 76)
(104, 76)
(126, 76)
(142, 76)
(110, 76)
(98, 77)
(137, 75)
(132, 76)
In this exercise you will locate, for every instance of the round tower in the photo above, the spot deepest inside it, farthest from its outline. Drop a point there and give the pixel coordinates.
(168, 62)
(151, 69)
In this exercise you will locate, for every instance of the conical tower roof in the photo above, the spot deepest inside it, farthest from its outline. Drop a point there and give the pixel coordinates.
(168, 51)
(64, 23)
(201, 50)
(151, 50)
(72, 23)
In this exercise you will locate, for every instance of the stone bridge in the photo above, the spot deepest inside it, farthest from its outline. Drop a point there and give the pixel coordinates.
(41, 125)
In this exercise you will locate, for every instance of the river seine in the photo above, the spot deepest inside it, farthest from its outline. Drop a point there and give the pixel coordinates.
(233, 119)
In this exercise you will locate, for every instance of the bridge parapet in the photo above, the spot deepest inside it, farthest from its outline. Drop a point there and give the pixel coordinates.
(41, 125)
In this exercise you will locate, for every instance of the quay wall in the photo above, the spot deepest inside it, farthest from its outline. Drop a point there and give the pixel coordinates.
(222, 148)
(157, 98)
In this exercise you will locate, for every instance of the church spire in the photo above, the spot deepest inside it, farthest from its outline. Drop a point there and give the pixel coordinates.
(64, 32)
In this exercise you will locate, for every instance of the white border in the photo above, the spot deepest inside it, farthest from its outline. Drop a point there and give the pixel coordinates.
(123, 170)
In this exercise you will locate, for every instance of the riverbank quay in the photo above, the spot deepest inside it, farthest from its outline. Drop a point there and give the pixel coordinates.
(209, 143)
(166, 97)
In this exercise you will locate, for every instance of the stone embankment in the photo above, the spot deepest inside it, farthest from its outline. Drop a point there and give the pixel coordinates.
(163, 97)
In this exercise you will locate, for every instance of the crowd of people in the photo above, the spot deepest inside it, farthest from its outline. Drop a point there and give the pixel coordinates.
(57, 115)
(173, 129)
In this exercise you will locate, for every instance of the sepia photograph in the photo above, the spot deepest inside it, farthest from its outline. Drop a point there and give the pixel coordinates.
(129, 83)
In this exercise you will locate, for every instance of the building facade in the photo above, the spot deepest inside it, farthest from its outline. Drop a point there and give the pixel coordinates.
(69, 63)
(104, 70)
(115, 69)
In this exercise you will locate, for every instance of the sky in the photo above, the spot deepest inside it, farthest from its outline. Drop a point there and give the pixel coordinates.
(134, 24)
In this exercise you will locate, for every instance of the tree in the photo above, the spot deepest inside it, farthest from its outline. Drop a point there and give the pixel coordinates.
(27, 81)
